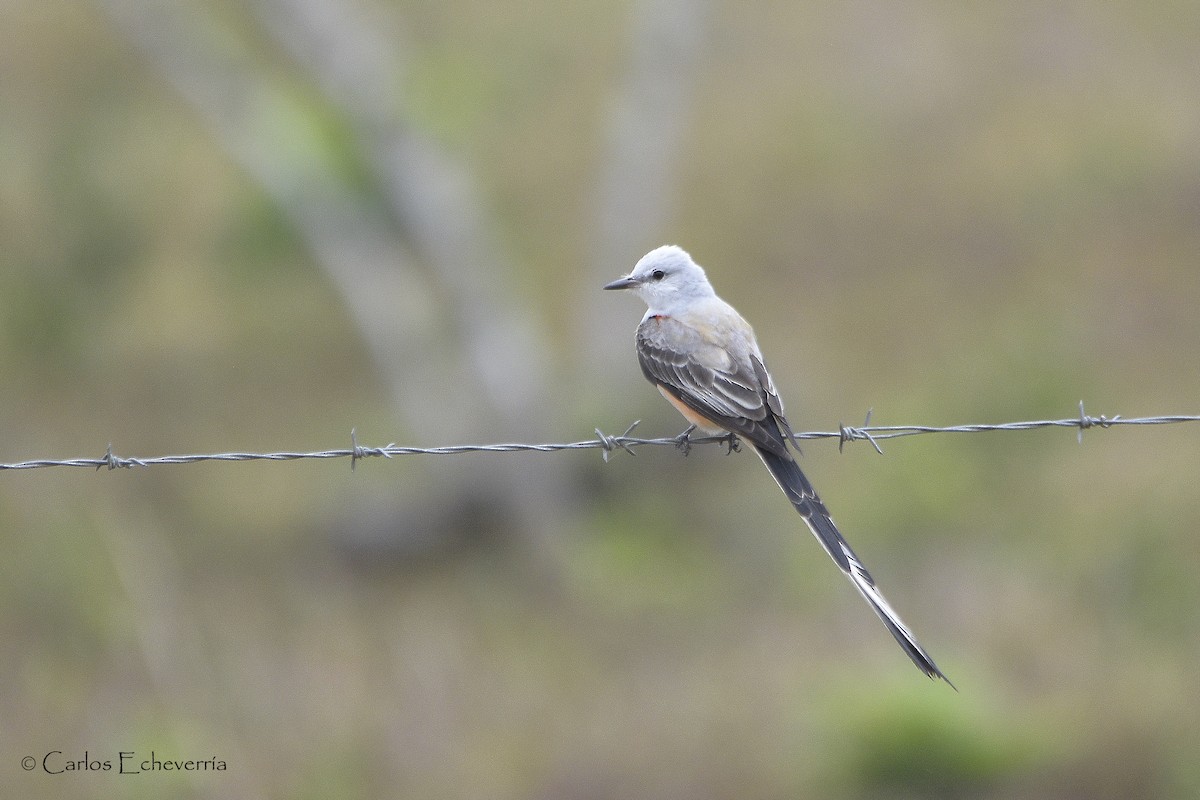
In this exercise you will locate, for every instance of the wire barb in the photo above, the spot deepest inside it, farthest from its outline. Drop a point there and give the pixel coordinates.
(848, 434)
(606, 444)
(610, 443)
(112, 461)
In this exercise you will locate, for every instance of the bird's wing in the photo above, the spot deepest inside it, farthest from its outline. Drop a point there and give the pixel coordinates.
(735, 393)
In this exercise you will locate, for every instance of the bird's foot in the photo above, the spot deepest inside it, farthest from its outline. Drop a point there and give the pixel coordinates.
(683, 442)
(733, 443)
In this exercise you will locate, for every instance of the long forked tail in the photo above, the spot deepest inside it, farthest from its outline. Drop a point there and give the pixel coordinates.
(804, 497)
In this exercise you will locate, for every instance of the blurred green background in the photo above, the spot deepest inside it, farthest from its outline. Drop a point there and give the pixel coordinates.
(255, 226)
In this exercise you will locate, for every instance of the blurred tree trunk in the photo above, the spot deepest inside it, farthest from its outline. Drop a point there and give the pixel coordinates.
(425, 281)
(648, 121)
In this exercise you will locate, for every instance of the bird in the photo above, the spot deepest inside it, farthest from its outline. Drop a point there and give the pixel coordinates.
(704, 359)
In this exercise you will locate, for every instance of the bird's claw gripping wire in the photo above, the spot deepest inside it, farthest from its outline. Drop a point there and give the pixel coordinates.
(683, 442)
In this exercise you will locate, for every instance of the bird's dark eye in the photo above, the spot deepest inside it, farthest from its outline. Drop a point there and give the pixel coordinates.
(658, 275)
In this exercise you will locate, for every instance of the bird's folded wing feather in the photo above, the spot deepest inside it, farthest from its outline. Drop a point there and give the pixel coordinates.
(713, 382)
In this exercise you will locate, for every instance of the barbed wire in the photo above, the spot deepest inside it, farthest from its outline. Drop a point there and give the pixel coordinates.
(605, 443)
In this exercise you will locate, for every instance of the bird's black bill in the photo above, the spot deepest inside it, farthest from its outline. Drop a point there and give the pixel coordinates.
(621, 283)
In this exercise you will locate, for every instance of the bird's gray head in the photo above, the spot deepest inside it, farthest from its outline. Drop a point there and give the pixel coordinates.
(666, 278)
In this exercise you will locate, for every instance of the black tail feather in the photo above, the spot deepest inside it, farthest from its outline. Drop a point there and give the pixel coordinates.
(804, 497)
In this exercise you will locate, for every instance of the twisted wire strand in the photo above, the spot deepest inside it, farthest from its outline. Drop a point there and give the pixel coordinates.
(605, 443)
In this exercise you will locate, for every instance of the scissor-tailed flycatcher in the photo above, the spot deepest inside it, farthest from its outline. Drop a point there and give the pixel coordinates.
(704, 360)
